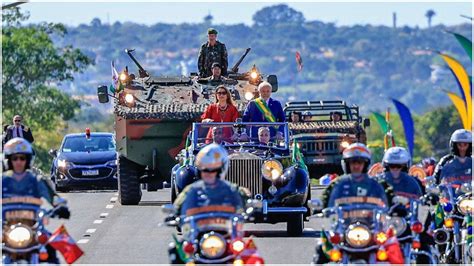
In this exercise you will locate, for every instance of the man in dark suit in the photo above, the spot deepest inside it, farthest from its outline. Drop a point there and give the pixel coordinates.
(264, 109)
(17, 130)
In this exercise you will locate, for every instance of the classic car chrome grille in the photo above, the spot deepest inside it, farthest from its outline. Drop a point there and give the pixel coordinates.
(246, 173)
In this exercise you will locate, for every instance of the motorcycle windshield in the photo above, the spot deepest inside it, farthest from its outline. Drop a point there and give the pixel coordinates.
(359, 213)
(453, 177)
(21, 209)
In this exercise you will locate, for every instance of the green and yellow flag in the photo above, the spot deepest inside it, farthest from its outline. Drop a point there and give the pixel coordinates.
(439, 215)
(469, 234)
(297, 156)
(325, 244)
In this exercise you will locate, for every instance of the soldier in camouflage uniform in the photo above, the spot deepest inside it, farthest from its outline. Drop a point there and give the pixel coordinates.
(210, 52)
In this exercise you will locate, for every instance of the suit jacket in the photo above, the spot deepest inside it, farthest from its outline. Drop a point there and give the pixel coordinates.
(253, 114)
(8, 134)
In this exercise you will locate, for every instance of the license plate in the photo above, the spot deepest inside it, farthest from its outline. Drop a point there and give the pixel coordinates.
(90, 172)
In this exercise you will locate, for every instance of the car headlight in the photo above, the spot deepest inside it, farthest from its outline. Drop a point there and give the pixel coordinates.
(466, 206)
(249, 95)
(112, 163)
(19, 236)
(129, 99)
(272, 170)
(398, 224)
(63, 164)
(345, 144)
(358, 236)
(212, 245)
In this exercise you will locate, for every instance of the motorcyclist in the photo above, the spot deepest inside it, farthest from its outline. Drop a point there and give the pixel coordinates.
(460, 145)
(19, 180)
(212, 163)
(396, 162)
(354, 187)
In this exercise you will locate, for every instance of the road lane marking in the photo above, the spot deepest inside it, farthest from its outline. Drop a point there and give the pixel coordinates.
(98, 221)
(109, 206)
(113, 199)
(91, 230)
(103, 215)
(82, 241)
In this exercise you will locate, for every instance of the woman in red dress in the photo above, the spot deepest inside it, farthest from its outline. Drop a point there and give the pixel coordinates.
(223, 110)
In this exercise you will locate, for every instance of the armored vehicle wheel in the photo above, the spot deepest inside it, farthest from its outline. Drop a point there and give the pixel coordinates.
(295, 225)
(128, 185)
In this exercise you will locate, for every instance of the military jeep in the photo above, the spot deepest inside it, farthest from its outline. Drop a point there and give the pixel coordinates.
(153, 115)
(322, 140)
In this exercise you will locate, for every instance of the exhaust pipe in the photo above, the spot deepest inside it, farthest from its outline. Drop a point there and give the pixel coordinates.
(441, 236)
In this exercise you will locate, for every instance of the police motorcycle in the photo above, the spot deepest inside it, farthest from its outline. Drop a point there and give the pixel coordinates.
(454, 211)
(212, 235)
(404, 221)
(355, 240)
(25, 237)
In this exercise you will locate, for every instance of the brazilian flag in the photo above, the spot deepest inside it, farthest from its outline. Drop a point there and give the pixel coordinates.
(439, 215)
(469, 233)
(325, 244)
(297, 156)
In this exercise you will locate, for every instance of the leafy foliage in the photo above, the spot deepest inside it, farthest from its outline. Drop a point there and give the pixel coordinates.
(33, 67)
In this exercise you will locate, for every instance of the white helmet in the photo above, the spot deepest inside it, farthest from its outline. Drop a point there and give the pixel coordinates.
(397, 155)
(213, 157)
(355, 151)
(460, 136)
(18, 146)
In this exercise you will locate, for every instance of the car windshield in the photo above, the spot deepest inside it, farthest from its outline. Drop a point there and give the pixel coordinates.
(273, 135)
(92, 144)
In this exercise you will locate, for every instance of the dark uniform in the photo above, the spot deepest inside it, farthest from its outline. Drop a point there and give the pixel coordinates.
(29, 185)
(405, 185)
(210, 54)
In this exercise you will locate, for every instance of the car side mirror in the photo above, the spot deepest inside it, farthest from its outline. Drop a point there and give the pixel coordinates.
(102, 94)
(53, 152)
(273, 80)
(366, 122)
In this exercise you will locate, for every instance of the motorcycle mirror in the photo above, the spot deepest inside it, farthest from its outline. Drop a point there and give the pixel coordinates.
(59, 201)
(432, 189)
(53, 152)
(315, 205)
(400, 200)
(466, 187)
(168, 209)
(430, 180)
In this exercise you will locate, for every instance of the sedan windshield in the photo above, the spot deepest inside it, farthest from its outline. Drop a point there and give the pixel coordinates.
(93, 144)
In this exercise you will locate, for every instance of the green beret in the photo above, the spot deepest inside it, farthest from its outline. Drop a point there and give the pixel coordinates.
(211, 31)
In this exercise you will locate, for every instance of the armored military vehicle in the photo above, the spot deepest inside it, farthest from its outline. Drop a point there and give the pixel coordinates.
(322, 140)
(154, 114)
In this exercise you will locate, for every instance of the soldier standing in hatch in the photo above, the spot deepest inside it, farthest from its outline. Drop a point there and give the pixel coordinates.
(212, 51)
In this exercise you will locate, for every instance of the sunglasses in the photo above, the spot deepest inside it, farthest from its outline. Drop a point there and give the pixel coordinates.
(395, 166)
(357, 161)
(16, 158)
(210, 170)
(221, 93)
(17, 120)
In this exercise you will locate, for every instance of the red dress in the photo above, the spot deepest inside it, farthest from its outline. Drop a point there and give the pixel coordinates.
(229, 115)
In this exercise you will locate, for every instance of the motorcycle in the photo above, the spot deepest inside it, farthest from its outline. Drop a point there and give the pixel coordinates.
(455, 210)
(356, 240)
(25, 237)
(404, 221)
(213, 236)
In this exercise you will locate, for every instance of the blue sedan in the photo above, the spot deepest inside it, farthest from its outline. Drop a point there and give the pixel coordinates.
(85, 160)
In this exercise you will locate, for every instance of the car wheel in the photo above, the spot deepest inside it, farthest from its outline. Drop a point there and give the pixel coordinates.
(294, 227)
(128, 185)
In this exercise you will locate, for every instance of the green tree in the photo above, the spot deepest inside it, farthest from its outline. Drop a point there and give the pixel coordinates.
(269, 16)
(32, 68)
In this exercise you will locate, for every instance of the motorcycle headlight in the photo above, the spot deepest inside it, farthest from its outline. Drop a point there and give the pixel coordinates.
(19, 236)
(272, 170)
(212, 245)
(398, 224)
(358, 236)
(466, 206)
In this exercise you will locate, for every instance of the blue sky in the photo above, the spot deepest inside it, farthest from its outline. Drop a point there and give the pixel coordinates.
(412, 14)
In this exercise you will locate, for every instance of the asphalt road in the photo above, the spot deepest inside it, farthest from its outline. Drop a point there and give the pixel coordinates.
(113, 234)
